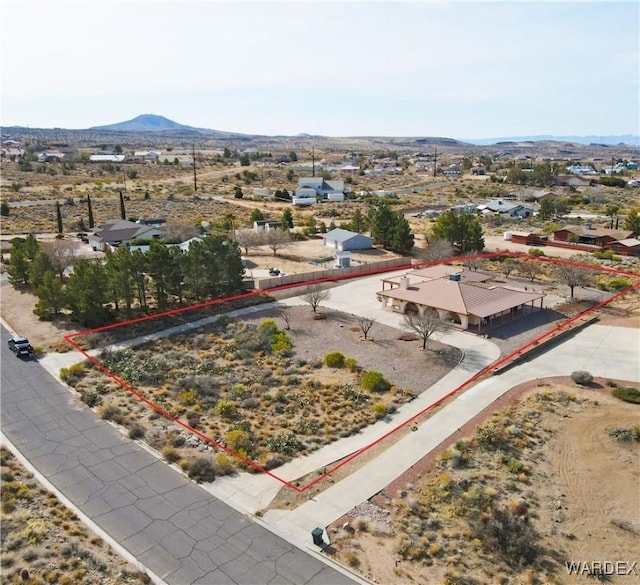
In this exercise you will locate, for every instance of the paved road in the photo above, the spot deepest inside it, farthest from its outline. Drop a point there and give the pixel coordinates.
(175, 528)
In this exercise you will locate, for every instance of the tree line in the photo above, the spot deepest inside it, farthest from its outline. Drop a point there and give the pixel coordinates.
(126, 283)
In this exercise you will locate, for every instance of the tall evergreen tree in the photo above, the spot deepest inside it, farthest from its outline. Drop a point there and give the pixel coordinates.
(402, 239)
(90, 211)
(59, 217)
(382, 225)
(39, 267)
(86, 293)
(358, 222)
(51, 295)
(123, 211)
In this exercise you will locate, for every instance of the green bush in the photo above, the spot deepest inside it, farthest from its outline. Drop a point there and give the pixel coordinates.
(625, 434)
(334, 360)
(226, 408)
(627, 394)
(380, 409)
(535, 252)
(374, 382)
(581, 377)
(351, 364)
(92, 399)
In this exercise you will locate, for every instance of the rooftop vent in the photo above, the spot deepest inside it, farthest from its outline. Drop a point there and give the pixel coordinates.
(455, 277)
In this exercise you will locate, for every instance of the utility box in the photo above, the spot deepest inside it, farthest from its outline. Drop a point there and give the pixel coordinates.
(316, 534)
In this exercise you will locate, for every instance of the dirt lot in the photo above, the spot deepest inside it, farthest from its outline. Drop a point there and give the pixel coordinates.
(578, 483)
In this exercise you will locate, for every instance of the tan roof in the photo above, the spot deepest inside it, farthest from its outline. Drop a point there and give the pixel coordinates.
(463, 298)
(598, 231)
(441, 271)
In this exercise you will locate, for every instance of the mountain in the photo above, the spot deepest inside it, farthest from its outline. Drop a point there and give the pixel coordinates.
(629, 139)
(148, 123)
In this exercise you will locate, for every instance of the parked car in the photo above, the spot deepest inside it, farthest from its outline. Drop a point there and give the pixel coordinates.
(21, 347)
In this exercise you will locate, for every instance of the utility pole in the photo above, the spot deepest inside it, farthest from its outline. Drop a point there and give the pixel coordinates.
(195, 178)
(313, 161)
(124, 181)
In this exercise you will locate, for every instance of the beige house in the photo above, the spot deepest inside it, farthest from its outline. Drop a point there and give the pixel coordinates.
(468, 299)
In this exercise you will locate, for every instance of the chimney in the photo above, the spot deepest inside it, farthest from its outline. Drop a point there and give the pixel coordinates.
(404, 282)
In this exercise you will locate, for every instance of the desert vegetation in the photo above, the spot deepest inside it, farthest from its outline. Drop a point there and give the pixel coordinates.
(264, 393)
(43, 542)
(494, 507)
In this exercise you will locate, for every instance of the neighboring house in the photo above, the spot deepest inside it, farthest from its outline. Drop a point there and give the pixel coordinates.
(304, 197)
(344, 240)
(526, 238)
(628, 247)
(591, 236)
(465, 298)
(170, 158)
(506, 209)
(119, 232)
(265, 225)
(570, 181)
(148, 156)
(329, 190)
(108, 158)
(582, 170)
(12, 151)
(50, 156)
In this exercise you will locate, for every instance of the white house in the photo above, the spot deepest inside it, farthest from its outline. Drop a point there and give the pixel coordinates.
(505, 209)
(119, 232)
(345, 240)
(265, 225)
(329, 190)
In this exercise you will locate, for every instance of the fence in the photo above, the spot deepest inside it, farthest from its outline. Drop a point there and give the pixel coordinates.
(289, 279)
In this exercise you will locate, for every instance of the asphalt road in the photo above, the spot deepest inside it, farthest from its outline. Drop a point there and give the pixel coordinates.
(176, 529)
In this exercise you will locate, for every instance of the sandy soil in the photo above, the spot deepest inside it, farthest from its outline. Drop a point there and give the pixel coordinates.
(586, 484)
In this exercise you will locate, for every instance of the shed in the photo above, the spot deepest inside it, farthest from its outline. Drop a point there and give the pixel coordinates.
(344, 240)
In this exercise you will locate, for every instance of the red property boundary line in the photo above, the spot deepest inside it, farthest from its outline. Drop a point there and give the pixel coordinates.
(563, 326)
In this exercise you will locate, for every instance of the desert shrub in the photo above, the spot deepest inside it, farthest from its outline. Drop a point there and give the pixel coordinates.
(335, 359)
(171, 454)
(489, 436)
(351, 364)
(72, 374)
(136, 432)
(352, 559)
(513, 465)
(280, 342)
(273, 462)
(510, 537)
(374, 382)
(188, 398)
(380, 409)
(225, 464)
(238, 439)
(535, 252)
(627, 394)
(201, 470)
(111, 412)
(581, 377)
(625, 434)
(92, 399)
(285, 443)
(226, 408)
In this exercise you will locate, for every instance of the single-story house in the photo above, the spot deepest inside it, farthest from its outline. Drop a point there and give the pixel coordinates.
(592, 236)
(120, 232)
(525, 238)
(106, 158)
(627, 247)
(466, 298)
(50, 155)
(329, 190)
(345, 240)
(147, 155)
(505, 209)
(265, 225)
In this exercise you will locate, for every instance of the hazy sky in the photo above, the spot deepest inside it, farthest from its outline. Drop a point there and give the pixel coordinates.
(461, 69)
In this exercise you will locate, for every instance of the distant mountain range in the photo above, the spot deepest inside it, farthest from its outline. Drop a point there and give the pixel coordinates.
(154, 123)
(160, 124)
(629, 139)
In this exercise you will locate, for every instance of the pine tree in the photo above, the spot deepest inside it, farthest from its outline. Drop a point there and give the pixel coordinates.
(90, 210)
(59, 217)
(402, 239)
(123, 212)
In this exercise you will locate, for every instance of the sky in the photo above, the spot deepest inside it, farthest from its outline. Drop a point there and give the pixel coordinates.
(450, 68)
